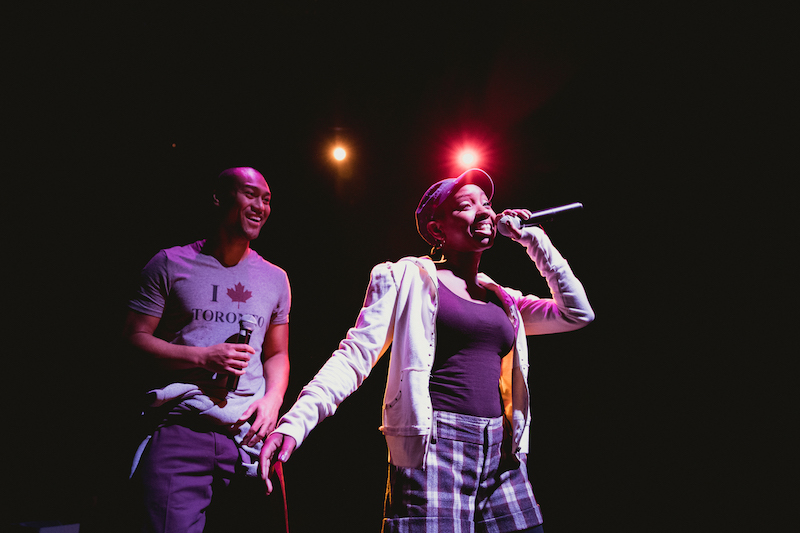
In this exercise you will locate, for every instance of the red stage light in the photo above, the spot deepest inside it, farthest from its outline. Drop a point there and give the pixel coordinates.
(465, 149)
(468, 159)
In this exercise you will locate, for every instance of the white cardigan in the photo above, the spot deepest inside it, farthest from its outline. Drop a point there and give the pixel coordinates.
(400, 310)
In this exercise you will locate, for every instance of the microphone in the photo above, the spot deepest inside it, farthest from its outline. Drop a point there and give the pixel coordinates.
(536, 218)
(246, 326)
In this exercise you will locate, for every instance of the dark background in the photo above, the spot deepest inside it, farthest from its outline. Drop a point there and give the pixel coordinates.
(665, 122)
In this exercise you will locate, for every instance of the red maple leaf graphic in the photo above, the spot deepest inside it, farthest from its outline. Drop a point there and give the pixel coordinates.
(238, 294)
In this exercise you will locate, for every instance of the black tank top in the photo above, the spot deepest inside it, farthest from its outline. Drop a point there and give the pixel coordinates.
(471, 339)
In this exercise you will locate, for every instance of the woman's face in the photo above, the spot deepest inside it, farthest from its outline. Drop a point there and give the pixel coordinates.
(465, 221)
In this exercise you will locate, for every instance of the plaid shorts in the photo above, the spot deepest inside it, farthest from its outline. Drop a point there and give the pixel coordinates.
(466, 486)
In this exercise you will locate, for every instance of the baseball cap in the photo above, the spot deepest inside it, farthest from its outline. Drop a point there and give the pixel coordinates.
(440, 191)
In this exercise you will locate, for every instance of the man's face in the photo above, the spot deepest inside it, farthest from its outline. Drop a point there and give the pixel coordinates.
(246, 205)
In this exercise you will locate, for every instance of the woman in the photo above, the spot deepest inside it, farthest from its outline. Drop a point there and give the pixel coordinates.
(456, 406)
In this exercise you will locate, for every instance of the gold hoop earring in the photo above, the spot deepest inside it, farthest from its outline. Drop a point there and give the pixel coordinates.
(437, 249)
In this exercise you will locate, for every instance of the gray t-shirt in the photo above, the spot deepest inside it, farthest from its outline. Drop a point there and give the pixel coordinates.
(200, 303)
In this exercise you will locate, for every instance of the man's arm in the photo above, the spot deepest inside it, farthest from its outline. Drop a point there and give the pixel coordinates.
(275, 354)
(228, 358)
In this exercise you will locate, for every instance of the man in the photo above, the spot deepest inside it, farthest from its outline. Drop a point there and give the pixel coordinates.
(186, 317)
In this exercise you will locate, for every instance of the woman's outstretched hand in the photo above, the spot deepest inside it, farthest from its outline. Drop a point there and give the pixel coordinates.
(277, 448)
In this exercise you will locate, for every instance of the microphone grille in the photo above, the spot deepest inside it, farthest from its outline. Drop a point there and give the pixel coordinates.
(506, 221)
(248, 322)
